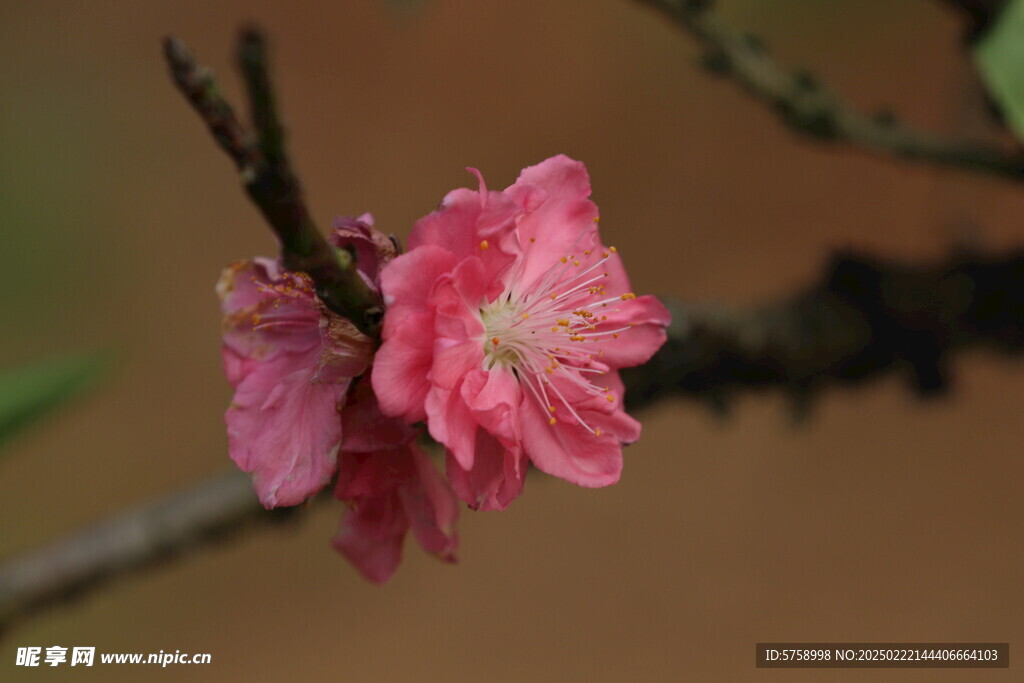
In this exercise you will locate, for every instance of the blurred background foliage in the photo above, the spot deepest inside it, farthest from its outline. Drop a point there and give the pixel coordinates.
(999, 55)
(30, 392)
(882, 518)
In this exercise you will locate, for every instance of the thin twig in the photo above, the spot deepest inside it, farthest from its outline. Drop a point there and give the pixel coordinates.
(268, 176)
(809, 108)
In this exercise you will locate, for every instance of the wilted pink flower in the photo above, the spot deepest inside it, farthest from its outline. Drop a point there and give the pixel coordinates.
(507, 321)
(291, 362)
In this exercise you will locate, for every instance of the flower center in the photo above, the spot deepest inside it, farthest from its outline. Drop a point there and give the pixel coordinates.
(504, 342)
(551, 333)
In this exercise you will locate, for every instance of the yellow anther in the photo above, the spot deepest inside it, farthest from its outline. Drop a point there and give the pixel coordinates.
(586, 253)
(552, 421)
(613, 250)
(494, 341)
(533, 239)
(484, 246)
(597, 219)
(551, 409)
(597, 432)
(627, 296)
(565, 260)
(525, 316)
(615, 334)
(563, 322)
(611, 399)
(575, 262)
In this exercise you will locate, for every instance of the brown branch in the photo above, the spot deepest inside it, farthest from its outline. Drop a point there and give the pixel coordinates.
(268, 177)
(864, 318)
(134, 540)
(809, 108)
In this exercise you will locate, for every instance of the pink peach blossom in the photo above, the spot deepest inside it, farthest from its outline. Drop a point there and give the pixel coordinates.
(506, 324)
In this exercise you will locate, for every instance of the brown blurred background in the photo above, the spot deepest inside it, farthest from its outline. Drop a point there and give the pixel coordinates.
(880, 519)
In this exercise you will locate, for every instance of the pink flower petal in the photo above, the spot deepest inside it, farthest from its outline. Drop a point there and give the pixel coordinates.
(495, 478)
(285, 430)
(432, 509)
(365, 428)
(493, 397)
(371, 537)
(569, 451)
(470, 223)
(563, 219)
(345, 352)
(401, 368)
(389, 492)
(450, 423)
(646, 318)
(408, 281)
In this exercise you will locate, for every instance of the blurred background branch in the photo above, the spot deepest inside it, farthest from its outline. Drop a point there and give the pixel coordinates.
(811, 109)
(215, 509)
(866, 316)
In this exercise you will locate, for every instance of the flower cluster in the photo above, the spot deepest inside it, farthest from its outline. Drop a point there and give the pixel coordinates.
(506, 324)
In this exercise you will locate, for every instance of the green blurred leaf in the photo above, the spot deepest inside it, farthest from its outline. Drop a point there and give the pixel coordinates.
(30, 391)
(999, 56)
